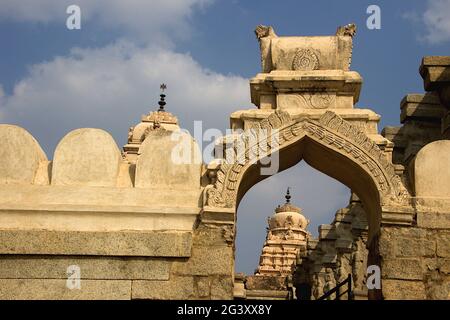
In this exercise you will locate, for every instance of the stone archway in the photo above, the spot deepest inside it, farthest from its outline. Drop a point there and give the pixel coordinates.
(330, 144)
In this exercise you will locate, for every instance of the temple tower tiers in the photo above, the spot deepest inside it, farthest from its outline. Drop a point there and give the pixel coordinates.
(286, 236)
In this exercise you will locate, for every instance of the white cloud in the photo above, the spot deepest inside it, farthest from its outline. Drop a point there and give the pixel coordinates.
(113, 86)
(146, 19)
(435, 20)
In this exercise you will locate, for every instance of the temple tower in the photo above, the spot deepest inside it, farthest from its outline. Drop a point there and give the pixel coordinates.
(286, 236)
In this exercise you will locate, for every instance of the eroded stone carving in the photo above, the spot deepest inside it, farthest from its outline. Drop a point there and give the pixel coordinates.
(305, 59)
(302, 54)
(306, 100)
(347, 30)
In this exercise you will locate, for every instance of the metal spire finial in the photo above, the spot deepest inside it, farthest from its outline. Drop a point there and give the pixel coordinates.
(162, 101)
(288, 196)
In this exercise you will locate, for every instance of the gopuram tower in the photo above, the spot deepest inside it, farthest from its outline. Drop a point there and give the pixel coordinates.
(286, 236)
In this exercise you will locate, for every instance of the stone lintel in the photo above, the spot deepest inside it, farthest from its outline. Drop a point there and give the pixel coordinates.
(119, 243)
(91, 267)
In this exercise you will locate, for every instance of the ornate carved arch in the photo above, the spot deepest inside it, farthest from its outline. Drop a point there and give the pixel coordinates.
(330, 130)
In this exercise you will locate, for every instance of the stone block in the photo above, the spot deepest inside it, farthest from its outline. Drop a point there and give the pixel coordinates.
(203, 285)
(406, 247)
(176, 288)
(443, 245)
(56, 289)
(403, 290)
(239, 291)
(94, 268)
(206, 261)
(154, 244)
(260, 282)
(211, 235)
(444, 265)
(222, 288)
(421, 107)
(327, 231)
(433, 220)
(408, 269)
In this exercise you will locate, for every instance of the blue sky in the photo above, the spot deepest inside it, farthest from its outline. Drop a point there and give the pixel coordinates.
(107, 74)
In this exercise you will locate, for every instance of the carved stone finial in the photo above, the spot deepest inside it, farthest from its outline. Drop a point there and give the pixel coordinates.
(347, 30)
(262, 31)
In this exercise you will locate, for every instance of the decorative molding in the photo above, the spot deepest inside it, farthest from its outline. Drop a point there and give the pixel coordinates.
(330, 130)
(306, 100)
(305, 60)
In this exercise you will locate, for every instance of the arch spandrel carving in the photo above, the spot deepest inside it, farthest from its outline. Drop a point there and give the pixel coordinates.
(331, 132)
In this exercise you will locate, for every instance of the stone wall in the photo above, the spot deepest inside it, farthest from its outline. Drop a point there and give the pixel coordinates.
(132, 233)
(340, 250)
(414, 259)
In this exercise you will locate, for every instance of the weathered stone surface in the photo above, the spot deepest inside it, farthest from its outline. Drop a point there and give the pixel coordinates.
(175, 288)
(203, 285)
(305, 53)
(435, 72)
(265, 283)
(93, 268)
(406, 247)
(433, 220)
(51, 289)
(437, 285)
(423, 107)
(206, 261)
(210, 235)
(444, 265)
(153, 244)
(222, 288)
(408, 269)
(443, 245)
(403, 290)
(431, 174)
(20, 156)
(170, 160)
(86, 157)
